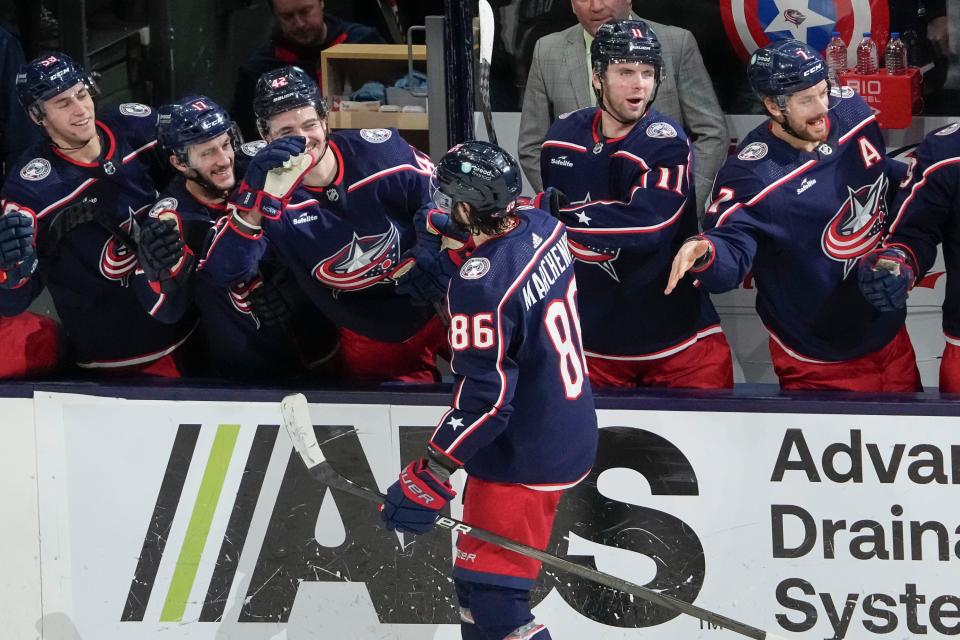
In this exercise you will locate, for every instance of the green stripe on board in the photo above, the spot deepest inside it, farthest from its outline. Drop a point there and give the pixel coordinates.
(200, 520)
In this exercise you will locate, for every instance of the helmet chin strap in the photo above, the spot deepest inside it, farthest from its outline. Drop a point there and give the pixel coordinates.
(785, 125)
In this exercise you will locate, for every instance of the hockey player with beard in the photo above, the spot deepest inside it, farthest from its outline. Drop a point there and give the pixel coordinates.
(627, 170)
(343, 211)
(799, 205)
(68, 221)
(261, 328)
(927, 213)
(522, 422)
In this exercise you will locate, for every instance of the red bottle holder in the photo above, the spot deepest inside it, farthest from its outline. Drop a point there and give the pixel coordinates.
(895, 98)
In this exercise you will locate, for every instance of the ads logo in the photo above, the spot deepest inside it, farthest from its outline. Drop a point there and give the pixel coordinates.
(752, 24)
(316, 535)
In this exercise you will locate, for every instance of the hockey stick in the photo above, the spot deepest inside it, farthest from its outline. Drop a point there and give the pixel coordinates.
(299, 426)
(486, 54)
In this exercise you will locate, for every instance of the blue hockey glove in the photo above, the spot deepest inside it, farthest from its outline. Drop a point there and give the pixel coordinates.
(428, 275)
(414, 501)
(162, 252)
(551, 200)
(18, 253)
(885, 277)
(272, 175)
(438, 229)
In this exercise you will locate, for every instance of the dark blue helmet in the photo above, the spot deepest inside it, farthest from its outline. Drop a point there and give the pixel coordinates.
(626, 41)
(191, 120)
(785, 67)
(480, 174)
(282, 90)
(49, 75)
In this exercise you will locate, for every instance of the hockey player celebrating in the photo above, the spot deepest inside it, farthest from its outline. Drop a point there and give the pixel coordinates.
(250, 330)
(802, 201)
(341, 224)
(522, 422)
(627, 168)
(927, 210)
(70, 205)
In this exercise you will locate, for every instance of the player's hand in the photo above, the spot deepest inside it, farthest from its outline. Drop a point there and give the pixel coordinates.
(268, 304)
(18, 252)
(690, 252)
(424, 274)
(551, 200)
(885, 277)
(438, 229)
(414, 501)
(272, 175)
(162, 253)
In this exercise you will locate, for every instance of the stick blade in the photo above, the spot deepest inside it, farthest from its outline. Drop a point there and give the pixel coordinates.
(485, 13)
(299, 426)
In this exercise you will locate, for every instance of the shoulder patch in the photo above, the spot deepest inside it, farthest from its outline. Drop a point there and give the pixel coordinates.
(948, 130)
(753, 151)
(475, 268)
(36, 169)
(164, 204)
(661, 130)
(376, 136)
(253, 147)
(135, 109)
(841, 92)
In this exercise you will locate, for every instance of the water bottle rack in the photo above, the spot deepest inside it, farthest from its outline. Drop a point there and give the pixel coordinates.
(895, 98)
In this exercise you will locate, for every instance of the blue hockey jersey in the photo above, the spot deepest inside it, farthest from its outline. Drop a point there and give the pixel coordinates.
(344, 241)
(522, 408)
(237, 345)
(928, 212)
(87, 268)
(632, 205)
(801, 221)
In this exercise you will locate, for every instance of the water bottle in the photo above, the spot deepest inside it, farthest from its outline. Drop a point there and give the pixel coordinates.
(836, 55)
(867, 55)
(895, 55)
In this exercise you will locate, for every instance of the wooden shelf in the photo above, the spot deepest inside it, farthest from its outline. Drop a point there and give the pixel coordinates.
(376, 119)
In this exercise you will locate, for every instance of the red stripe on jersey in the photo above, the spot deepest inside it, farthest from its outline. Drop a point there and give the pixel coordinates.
(563, 145)
(763, 194)
(67, 198)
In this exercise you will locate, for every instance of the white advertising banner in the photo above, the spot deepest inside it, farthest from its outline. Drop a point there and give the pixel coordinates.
(194, 520)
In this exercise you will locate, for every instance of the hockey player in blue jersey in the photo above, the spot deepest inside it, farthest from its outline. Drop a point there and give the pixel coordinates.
(927, 212)
(343, 225)
(522, 421)
(258, 329)
(75, 196)
(802, 201)
(626, 168)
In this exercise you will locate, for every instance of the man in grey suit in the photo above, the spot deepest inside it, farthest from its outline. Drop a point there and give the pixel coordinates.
(559, 81)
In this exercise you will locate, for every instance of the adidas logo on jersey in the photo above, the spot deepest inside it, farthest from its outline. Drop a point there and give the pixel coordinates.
(304, 219)
(806, 184)
(562, 161)
(537, 241)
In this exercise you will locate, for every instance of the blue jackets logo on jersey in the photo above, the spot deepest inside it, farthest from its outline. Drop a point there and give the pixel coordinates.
(361, 263)
(858, 225)
(117, 262)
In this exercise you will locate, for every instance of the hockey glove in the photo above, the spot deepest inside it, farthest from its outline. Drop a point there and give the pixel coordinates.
(424, 275)
(551, 200)
(268, 304)
(438, 229)
(272, 176)
(18, 252)
(885, 277)
(162, 252)
(414, 501)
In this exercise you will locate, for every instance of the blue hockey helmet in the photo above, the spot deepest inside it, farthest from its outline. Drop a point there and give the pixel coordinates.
(480, 174)
(191, 120)
(283, 90)
(785, 67)
(48, 76)
(626, 41)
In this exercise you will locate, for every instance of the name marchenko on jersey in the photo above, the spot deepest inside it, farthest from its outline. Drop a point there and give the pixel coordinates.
(553, 263)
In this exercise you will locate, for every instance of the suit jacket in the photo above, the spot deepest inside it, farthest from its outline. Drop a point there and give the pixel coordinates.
(558, 82)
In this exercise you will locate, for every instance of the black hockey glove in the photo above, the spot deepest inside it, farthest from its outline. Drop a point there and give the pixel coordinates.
(439, 230)
(268, 303)
(18, 252)
(551, 200)
(886, 277)
(428, 275)
(162, 252)
(272, 175)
